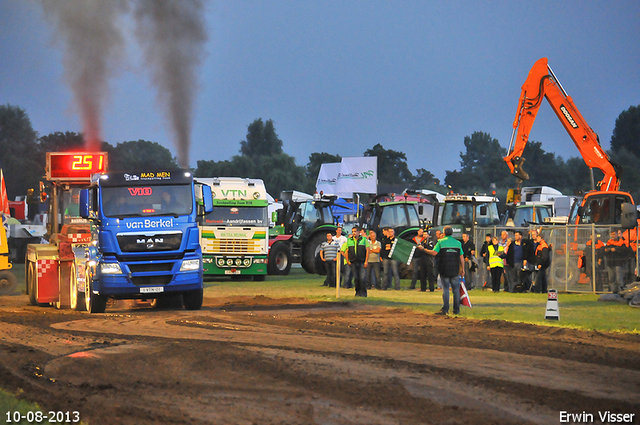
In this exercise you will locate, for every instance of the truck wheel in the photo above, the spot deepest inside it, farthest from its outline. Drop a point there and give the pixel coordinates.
(193, 299)
(8, 282)
(311, 249)
(94, 303)
(76, 298)
(166, 302)
(279, 259)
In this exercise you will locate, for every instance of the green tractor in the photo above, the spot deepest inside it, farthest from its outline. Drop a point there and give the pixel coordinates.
(301, 226)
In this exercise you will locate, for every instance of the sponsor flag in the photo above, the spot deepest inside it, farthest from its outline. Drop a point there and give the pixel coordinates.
(327, 178)
(464, 295)
(402, 251)
(357, 175)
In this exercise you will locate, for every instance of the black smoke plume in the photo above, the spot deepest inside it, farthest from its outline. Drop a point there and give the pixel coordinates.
(93, 45)
(173, 36)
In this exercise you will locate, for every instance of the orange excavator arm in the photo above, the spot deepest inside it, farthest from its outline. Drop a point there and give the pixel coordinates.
(540, 83)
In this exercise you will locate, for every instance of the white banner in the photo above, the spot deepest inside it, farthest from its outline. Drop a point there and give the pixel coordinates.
(327, 178)
(357, 175)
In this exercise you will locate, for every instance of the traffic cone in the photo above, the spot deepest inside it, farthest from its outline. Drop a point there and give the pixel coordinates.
(553, 312)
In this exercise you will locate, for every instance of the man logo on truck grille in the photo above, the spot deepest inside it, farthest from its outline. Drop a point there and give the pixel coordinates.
(151, 242)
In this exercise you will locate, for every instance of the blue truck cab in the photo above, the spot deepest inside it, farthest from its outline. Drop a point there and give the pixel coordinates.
(145, 238)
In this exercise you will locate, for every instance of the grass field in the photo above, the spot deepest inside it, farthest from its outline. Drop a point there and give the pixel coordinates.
(580, 311)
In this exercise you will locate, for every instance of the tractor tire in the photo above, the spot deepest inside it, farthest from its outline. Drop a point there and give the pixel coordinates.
(8, 282)
(310, 254)
(279, 259)
(193, 299)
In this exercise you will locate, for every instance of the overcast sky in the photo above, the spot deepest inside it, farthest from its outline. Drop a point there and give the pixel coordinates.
(341, 76)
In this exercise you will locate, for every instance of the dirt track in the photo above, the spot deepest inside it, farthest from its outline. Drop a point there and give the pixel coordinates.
(257, 360)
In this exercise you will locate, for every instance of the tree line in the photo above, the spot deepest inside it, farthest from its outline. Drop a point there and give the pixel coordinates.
(261, 155)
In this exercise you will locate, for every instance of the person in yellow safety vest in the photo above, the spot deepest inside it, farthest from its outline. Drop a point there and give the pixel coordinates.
(496, 264)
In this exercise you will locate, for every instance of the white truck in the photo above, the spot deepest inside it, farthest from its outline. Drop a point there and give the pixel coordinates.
(235, 236)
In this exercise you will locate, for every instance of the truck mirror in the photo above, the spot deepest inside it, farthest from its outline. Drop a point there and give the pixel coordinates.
(84, 206)
(483, 210)
(207, 198)
(420, 210)
(629, 216)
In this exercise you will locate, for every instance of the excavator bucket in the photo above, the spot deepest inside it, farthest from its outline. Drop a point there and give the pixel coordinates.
(517, 162)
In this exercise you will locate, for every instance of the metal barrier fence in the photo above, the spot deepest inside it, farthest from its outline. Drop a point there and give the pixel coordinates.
(579, 260)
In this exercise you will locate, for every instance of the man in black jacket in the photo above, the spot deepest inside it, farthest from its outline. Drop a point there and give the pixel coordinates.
(356, 252)
(470, 265)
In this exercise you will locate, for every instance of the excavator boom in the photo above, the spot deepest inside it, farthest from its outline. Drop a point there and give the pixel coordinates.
(540, 83)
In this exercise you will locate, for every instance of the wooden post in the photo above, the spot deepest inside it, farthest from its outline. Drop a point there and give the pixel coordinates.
(338, 266)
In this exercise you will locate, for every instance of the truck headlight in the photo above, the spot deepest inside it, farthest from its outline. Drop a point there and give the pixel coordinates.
(190, 265)
(260, 260)
(110, 268)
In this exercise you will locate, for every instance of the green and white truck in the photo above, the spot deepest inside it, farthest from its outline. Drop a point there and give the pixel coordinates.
(234, 236)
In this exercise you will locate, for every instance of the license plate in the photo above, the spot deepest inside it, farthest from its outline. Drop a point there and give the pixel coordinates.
(151, 289)
(232, 272)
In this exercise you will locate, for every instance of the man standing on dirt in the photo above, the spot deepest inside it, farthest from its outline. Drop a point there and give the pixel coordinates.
(356, 252)
(329, 254)
(419, 261)
(450, 256)
(389, 265)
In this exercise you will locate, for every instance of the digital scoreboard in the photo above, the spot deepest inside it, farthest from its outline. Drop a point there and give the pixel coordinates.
(74, 166)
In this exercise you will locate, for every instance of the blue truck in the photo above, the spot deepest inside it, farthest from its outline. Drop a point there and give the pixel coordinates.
(147, 238)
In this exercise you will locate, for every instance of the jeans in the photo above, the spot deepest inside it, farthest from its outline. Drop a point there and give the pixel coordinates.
(514, 273)
(541, 281)
(390, 266)
(419, 266)
(454, 284)
(469, 276)
(357, 271)
(372, 275)
(616, 278)
(346, 275)
(330, 265)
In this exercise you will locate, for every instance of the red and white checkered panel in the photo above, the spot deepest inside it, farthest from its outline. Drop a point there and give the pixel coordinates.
(45, 266)
(79, 237)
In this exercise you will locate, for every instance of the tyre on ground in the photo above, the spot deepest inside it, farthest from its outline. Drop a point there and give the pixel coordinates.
(94, 303)
(279, 259)
(193, 299)
(8, 282)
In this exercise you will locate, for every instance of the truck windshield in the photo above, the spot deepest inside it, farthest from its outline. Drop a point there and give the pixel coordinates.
(525, 215)
(237, 216)
(135, 201)
(457, 213)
